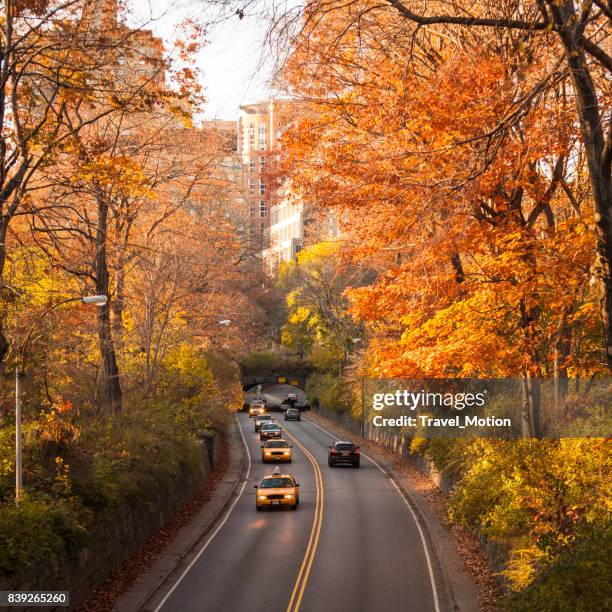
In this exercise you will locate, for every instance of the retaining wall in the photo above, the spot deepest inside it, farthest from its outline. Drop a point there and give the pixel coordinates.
(115, 537)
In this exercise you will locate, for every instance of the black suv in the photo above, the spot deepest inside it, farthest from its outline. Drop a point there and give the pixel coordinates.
(343, 452)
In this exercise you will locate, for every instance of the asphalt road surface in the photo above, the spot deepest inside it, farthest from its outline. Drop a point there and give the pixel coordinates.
(351, 546)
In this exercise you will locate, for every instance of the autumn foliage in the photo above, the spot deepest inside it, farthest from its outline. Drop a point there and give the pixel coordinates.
(450, 142)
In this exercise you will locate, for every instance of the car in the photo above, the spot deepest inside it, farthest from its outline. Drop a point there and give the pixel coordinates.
(343, 452)
(260, 419)
(293, 414)
(261, 398)
(276, 450)
(256, 407)
(277, 490)
(269, 430)
(290, 401)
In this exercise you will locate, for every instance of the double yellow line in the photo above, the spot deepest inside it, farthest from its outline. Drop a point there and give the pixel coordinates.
(302, 578)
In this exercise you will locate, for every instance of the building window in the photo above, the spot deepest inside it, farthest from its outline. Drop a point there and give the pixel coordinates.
(252, 165)
(262, 188)
(252, 185)
(252, 135)
(262, 208)
(262, 160)
(252, 207)
(262, 228)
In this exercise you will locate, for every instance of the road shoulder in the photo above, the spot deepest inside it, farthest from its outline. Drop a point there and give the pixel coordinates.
(151, 586)
(461, 593)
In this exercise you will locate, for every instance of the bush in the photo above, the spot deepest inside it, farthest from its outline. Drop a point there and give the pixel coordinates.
(275, 361)
(325, 390)
(542, 499)
(40, 530)
(579, 580)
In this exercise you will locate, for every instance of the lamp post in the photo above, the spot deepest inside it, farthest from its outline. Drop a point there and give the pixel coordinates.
(98, 300)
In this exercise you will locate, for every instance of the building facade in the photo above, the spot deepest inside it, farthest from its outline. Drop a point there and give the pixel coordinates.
(285, 236)
(260, 127)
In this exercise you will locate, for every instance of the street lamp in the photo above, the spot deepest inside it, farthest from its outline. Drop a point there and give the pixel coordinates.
(97, 300)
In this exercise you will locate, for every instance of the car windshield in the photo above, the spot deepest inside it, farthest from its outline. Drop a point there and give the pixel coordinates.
(345, 447)
(263, 417)
(270, 427)
(277, 444)
(292, 410)
(273, 483)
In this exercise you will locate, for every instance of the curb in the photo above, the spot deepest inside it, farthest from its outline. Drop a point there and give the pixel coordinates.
(149, 600)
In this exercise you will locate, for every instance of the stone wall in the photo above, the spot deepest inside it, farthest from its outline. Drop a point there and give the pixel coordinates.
(119, 535)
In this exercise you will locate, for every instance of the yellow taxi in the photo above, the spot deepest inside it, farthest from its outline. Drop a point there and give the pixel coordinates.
(256, 407)
(276, 450)
(277, 490)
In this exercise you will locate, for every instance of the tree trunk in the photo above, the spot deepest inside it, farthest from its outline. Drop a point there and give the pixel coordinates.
(530, 415)
(110, 369)
(119, 301)
(562, 351)
(598, 157)
(4, 345)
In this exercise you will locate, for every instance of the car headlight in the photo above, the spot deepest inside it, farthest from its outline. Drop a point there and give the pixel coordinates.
(261, 497)
(288, 496)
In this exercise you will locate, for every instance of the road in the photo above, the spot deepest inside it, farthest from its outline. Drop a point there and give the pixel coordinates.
(351, 546)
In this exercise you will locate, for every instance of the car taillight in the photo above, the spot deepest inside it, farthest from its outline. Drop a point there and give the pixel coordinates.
(333, 451)
(356, 451)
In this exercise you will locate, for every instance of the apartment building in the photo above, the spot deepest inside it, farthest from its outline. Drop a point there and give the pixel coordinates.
(285, 236)
(228, 175)
(260, 127)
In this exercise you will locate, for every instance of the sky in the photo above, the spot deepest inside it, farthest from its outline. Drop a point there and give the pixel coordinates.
(230, 63)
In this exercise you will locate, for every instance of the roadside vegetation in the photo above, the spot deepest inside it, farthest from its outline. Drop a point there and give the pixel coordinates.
(79, 466)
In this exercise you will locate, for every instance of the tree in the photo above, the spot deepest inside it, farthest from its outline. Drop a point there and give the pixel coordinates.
(460, 180)
(57, 60)
(574, 38)
(317, 309)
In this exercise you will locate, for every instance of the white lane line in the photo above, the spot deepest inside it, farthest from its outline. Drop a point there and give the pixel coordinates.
(409, 506)
(219, 526)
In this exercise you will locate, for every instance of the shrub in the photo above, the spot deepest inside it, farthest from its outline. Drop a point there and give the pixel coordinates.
(79, 467)
(579, 580)
(324, 389)
(42, 529)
